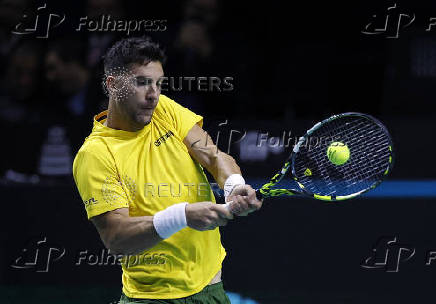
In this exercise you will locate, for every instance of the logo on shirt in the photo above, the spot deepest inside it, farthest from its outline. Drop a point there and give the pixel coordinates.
(91, 201)
(163, 139)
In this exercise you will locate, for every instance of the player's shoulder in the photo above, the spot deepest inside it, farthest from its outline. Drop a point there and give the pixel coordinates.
(92, 156)
(93, 149)
(92, 146)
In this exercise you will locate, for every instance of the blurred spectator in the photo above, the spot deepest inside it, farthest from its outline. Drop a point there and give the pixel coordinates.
(19, 106)
(192, 50)
(99, 41)
(20, 86)
(46, 132)
(194, 40)
(67, 75)
(204, 45)
(70, 105)
(11, 12)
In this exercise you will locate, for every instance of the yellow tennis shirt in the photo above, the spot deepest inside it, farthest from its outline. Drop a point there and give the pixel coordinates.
(148, 171)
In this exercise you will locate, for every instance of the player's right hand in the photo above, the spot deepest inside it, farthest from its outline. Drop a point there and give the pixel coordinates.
(206, 215)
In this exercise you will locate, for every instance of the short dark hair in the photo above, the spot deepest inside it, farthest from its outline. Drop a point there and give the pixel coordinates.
(127, 51)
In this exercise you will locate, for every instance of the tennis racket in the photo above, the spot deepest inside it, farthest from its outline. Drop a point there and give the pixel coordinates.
(311, 168)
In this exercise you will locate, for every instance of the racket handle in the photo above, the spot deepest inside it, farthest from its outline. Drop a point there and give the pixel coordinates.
(219, 193)
(259, 196)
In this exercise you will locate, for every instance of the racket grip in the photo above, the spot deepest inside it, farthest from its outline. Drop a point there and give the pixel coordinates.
(259, 196)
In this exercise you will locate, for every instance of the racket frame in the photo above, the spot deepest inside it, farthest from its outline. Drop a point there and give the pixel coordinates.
(289, 166)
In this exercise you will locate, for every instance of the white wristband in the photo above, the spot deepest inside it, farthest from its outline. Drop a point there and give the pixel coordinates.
(231, 182)
(170, 220)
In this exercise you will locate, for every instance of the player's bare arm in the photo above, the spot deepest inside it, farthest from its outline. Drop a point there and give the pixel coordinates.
(221, 165)
(202, 148)
(123, 234)
(126, 235)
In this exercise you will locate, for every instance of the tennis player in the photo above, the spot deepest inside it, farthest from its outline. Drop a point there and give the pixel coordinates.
(140, 175)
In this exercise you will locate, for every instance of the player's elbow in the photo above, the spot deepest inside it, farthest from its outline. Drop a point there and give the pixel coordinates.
(123, 245)
(117, 245)
(116, 248)
(110, 242)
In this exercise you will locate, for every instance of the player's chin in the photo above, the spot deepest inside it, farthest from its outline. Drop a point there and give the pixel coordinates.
(143, 118)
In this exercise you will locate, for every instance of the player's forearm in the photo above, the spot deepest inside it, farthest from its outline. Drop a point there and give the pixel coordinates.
(202, 149)
(223, 167)
(132, 235)
(218, 163)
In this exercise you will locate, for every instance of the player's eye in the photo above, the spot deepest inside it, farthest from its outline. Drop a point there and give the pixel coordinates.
(143, 81)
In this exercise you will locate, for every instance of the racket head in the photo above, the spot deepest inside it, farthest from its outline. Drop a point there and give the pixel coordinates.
(371, 157)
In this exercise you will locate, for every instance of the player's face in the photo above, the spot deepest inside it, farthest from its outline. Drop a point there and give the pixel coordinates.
(144, 90)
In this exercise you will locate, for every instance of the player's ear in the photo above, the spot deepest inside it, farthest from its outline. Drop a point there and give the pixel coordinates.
(110, 83)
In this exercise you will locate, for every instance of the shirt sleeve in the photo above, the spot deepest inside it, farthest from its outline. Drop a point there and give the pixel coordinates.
(98, 183)
(183, 118)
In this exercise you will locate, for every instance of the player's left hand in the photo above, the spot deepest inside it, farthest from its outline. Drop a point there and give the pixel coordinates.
(244, 200)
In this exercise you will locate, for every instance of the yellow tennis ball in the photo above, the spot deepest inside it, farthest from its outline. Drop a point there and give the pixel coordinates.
(338, 153)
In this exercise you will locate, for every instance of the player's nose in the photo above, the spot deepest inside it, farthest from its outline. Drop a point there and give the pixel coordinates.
(152, 93)
(151, 101)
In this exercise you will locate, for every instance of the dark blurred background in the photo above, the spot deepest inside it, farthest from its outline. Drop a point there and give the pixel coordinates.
(289, 66)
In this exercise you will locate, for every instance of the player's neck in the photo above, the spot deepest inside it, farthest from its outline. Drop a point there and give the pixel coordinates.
(115, 119)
